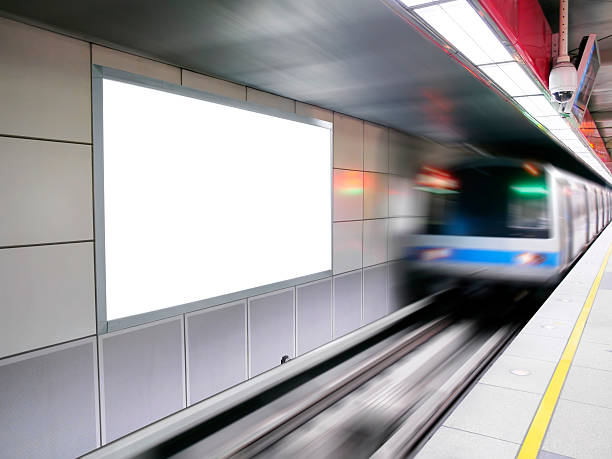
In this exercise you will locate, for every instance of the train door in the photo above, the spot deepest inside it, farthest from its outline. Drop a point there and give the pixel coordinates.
(595, 202)
(593, 212)
(566, 225)
(587, 211)
(601, 210)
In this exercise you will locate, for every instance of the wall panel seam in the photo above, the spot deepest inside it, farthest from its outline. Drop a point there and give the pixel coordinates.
(42, 348)
(45, 244)
(42, 139)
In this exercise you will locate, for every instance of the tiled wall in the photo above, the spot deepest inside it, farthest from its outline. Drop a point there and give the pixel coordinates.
(64, 390)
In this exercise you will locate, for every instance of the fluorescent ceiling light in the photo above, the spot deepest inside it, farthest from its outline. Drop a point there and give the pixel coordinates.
(576, 146)
(552, 122)
(511, 78)
(564, 134)
(446, 26)
(410, 3)
(536, 105)
(478, 30)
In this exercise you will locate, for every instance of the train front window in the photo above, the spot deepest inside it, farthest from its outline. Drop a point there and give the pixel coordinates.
(528, 211)
(493, 201)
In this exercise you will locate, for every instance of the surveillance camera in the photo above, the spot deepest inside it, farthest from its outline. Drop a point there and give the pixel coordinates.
(562, 82)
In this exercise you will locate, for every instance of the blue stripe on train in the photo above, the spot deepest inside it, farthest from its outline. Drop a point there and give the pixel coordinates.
(502, 257)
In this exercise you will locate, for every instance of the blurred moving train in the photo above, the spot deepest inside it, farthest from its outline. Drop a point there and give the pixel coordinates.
(506, 220)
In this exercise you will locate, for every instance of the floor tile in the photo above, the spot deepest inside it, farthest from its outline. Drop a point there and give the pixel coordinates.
(553, 328)
(606, 281)
(537, 347)
(456, 444)
(594, 355)
(536, 381)
(578, 288)
(602, 306)
(495, 412)
(580, 431)
(548, 455)
(598, 330)
(587, 385)
(561, 307)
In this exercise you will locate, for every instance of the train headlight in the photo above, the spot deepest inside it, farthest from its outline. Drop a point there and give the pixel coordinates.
(529, 258)
(435, 254)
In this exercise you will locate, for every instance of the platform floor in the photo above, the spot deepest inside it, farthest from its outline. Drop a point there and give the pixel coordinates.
(549, 394)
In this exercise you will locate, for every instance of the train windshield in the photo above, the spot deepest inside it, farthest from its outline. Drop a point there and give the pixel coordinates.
(493, 201)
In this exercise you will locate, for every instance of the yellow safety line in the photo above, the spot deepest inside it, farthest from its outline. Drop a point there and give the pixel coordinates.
(535, 435)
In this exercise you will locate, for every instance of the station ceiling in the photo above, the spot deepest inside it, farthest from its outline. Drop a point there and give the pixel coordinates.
(352, 56)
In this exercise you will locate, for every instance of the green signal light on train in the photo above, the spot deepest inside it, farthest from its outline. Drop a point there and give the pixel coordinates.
(532, 190)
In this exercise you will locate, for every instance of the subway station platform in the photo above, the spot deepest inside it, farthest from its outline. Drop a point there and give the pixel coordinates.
(549, 394)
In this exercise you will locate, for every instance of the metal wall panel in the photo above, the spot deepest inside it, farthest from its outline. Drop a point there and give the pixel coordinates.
(348, 195)
(375, 195)
(397, 294)
(313, 111)
(314, 315)
(216, 350)
(347, 246)
(271, 330)
(347, 303)
(348, 142)
(402, 153)
(142, 376)
(108, 57)
(375, 241)
(375, 148)
(375, 280)
(46, 296)
(44, 84)
(49, 402)
(213, 85)
(270, 100)
(404, 200)
(45, 192)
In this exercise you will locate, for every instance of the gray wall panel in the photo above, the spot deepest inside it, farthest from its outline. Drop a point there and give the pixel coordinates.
(375, 195)
(348, 142)
(347, 303)
(348, 246)
(403, 153)
(102, 55)
(216, 350)
(374, 293)
(48, 403)
(44, 84)
(313, 111)
(314, 315)
(142, 376)
(271, 330)
(46, 296)
(348, 195)
(213, 85)
(375, 241)
(375, 148)
(398, 294)
(45, 192)
(270, 100)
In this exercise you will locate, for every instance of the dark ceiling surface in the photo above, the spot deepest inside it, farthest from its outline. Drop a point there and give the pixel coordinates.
(585, 17)
(352, 56)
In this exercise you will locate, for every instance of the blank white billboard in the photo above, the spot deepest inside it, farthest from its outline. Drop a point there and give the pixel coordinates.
(203, 199)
